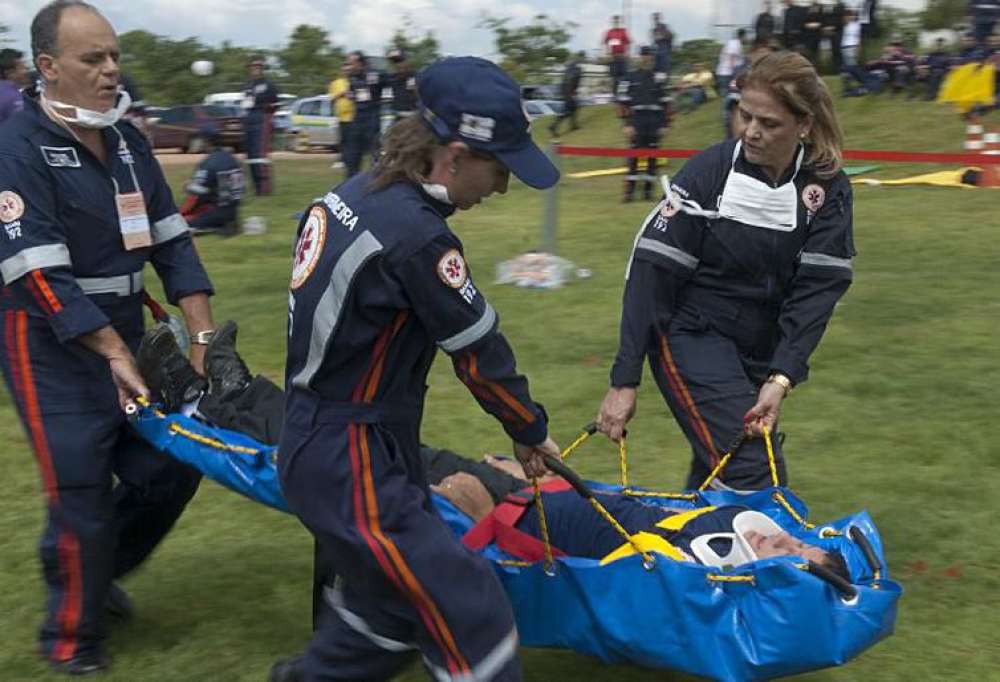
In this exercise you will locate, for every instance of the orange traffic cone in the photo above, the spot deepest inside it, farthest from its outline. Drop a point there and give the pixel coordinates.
(974, 135)
(990, 176)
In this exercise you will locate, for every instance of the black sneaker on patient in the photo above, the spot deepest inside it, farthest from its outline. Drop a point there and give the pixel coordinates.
(228, 375)
(169, 375)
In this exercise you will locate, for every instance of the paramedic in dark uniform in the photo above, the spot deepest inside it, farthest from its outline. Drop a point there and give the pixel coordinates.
(366, 92)
(216, 189)
(260, 99)
(733, 280)
(403, 83)
(643, 97)
(84, 206)
(379, 283)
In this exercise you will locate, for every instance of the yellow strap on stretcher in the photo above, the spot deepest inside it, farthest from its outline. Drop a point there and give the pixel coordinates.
(651, 542)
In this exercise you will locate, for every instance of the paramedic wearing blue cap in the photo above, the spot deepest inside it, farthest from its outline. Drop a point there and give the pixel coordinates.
(216, 188)
(643, 96)
(260, 99)
(379, 283)
(84, 206)
(735, 276)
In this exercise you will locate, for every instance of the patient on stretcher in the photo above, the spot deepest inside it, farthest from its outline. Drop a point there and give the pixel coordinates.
(722, 536)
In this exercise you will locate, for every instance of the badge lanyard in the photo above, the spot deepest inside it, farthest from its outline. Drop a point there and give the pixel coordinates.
(133, 221)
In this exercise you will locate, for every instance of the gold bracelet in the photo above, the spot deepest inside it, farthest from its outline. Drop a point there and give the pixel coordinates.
(781, 380)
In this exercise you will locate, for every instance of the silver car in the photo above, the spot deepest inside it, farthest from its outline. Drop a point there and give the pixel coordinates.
(313, 123)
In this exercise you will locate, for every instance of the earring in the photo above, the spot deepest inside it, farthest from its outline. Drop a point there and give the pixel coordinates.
(453, 169)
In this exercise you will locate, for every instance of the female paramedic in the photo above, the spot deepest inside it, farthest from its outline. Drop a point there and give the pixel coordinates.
(734, 276)
(378, 282)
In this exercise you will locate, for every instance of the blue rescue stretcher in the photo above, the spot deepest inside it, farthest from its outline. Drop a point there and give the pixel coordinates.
(771, 618)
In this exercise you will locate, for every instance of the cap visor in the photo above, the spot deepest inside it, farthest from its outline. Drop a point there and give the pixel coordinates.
(531, 166)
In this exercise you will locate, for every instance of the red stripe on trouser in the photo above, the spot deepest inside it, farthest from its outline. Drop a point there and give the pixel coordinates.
(265, 150)
(37, 295)
(395, 568)
(683, 396)
(67, 545)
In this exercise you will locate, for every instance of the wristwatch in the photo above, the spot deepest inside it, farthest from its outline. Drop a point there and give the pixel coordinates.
(202, 338)
(781, 380)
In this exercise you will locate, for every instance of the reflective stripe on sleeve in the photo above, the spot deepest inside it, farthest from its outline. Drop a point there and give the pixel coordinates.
(811, 258)
(34, 258)
(327, 312)
(167, 228)
(471, 334)
(674, 254)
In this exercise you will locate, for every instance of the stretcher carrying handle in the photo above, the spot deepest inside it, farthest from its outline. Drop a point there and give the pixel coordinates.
(846, 589)
(862, 541)
(556, 466)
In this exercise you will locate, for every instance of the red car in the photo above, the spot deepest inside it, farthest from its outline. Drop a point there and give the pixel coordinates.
(178, 126)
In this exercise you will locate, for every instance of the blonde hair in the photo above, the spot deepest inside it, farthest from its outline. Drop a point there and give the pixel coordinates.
(407, 153)
(792, 80)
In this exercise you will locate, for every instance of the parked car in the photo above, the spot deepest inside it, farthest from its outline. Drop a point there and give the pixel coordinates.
(314, 124)
(235, 99)
(536, 108)
(178, 126)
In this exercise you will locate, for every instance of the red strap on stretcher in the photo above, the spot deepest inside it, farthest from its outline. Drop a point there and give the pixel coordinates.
(155, 309)
(497, 527)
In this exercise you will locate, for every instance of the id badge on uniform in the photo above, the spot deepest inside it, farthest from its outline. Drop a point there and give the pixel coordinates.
(133, 220)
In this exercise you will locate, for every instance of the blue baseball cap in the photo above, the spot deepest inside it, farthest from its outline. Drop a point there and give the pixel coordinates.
(472, 100)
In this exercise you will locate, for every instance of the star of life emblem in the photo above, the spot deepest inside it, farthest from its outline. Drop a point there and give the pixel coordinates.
(11, 206)
(452, 269)
(309, 247)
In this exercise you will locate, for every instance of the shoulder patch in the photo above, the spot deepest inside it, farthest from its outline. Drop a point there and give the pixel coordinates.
(452, 269)
(11, 206)
(309, 247)
(60, 157)
(813, 196)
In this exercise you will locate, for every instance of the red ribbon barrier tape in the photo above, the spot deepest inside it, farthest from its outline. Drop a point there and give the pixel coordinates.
(849, 154)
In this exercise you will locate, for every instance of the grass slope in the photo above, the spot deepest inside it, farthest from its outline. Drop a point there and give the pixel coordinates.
(898, 418)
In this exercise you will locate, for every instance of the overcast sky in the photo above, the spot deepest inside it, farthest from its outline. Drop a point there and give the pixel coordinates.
(367, 24)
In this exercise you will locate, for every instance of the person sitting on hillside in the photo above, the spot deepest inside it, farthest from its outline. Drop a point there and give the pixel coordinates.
(695, 88)
(215, 190)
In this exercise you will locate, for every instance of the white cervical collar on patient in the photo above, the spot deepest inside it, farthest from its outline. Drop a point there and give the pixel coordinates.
(740, 551)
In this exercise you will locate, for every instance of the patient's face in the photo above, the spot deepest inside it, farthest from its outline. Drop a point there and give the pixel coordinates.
(783, 544)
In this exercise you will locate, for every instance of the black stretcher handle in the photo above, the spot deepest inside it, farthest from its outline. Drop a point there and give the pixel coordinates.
(556, 466)
(846, 589)
(591, 429)
(866, 547)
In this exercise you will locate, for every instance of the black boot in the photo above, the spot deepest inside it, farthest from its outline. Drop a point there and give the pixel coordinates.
(86, 663)
(287, 670)
(167, 372)
(228, 375)
(119, 604)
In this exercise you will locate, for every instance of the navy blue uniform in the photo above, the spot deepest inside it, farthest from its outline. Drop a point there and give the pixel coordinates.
(718, 304)
(379, 283)
(215, 192)
(66, 273)
(260, 99)
(643, 94)
(404, 93)
(363, 134)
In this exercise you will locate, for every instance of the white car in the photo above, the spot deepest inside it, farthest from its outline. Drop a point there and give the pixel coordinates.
(235, 99)
(537, 108)
(313, 122)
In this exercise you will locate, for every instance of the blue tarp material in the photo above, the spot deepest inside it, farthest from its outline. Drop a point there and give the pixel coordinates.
(673, 616)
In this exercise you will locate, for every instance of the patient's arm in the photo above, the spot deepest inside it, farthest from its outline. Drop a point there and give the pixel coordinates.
(467, 493)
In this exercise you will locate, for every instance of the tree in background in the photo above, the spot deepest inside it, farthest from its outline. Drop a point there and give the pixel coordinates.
(4, 30)
(943, 13)
(536, 51)
(162, 67)
(310, 60)
(419, 51)
(704, 50)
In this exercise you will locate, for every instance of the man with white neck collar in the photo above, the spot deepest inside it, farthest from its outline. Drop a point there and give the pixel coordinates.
(84, 207)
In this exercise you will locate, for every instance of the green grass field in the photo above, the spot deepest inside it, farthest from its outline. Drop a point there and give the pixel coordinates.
(899, 418)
